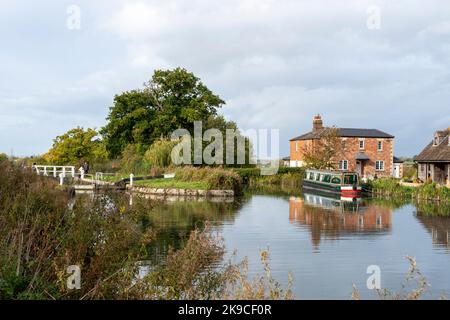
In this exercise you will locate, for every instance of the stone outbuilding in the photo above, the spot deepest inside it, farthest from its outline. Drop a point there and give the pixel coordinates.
(433, 163)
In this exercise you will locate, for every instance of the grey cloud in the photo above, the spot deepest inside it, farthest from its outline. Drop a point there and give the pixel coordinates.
(276, 63)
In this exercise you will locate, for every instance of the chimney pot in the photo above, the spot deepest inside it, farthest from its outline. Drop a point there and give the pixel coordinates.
(317, 123)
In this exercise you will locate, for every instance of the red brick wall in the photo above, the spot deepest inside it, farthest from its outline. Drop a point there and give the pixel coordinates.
(302, 145)
(351, 149)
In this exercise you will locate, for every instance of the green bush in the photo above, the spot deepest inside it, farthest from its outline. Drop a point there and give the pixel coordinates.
(159, 154)
(386, 185)
(427, 191)
(132, 161)
(3, 157)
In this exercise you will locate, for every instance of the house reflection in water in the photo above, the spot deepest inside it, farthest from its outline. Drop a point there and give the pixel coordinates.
(333, 218)
(439, 228)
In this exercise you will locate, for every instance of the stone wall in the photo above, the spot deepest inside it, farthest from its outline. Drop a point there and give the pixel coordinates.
(183, 192)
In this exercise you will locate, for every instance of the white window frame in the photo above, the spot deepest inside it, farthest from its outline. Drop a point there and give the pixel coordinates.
(380, 143)
(379, 165)
(296, 146)
(363, 144)
(343, 167)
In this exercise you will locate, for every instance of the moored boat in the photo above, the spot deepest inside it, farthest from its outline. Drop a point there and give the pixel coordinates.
(336, 182)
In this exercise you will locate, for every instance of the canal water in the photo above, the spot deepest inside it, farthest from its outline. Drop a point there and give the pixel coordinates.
(326, 244)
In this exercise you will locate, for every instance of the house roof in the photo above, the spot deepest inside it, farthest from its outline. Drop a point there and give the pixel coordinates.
(397, 160)
(346, 132)
(438, 153)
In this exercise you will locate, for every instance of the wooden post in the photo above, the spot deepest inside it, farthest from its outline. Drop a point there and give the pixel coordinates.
(73, 172)
(61, 179)
(54, 172)
(64, 171)
(131, 179)
(45, 170)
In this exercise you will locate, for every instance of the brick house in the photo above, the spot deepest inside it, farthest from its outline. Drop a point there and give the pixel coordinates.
(434, 160)
(370, 152)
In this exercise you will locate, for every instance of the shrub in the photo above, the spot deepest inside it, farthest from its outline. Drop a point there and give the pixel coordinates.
(3, 157)
(159, 153)
(427, 191)
(132, 161)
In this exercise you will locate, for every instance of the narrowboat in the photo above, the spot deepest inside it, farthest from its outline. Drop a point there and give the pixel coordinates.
(336, 182)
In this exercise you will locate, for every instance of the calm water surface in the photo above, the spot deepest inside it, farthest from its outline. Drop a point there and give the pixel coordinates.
(326, 244)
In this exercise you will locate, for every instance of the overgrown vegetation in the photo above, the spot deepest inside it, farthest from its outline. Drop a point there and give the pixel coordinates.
(159, 154)
(286, 179)
(44, 231)
(414, 286)
(391, 187)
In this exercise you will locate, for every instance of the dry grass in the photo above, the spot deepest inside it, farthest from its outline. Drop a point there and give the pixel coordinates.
(414, 286)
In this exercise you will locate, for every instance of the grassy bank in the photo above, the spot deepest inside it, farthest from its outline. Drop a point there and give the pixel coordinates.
(172, 184)
(209, 178)
(391, 187)
(188, 177)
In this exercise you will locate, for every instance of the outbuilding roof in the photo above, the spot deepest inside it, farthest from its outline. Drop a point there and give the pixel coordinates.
(436, 153)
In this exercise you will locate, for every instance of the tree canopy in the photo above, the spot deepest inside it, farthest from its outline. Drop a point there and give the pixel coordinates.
(75, 146)
(172, 99)
(3, 157)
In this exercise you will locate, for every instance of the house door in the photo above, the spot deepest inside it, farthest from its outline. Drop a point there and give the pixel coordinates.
(396, 173)
(359, 167)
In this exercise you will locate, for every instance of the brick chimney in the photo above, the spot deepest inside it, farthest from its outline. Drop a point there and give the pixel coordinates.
(317, 123)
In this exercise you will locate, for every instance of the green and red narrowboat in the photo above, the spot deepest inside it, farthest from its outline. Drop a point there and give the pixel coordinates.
(344, 183)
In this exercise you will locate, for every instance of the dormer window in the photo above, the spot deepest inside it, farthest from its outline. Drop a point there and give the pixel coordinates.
(436, 140)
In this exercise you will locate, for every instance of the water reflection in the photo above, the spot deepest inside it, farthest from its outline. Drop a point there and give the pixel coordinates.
(173, 221)
(332, 218)
(438, 225)
(361, 233)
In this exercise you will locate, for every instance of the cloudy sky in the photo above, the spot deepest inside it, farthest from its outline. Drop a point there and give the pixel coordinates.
(275, 62)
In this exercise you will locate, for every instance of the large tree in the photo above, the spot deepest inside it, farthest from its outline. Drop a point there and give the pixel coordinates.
(172, 99)
(75, 146)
